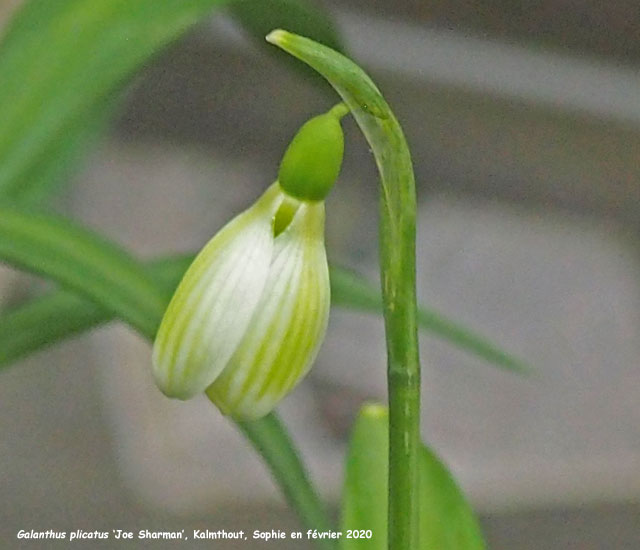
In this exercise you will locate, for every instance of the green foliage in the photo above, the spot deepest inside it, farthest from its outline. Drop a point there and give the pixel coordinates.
(117, 285)
(365, 489)
(61, 63)
(349, 290)
(55, 97)
(84, 262)
(446, 520)
(61, 314)
(270, 439)
(64, 64)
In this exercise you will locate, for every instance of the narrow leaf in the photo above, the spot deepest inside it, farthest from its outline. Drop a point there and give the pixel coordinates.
(446, 520)
(349, 290)
(84, 262)
(270, 438)
(64, 64)
(61, 62)
(364, 496)
(61, 314)
(58, 315)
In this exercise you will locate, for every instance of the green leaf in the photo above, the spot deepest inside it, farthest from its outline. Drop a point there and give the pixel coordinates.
(64, 63)
(46, 174)
(84, 262)
(364, 494)
(61, 62)
(446, 520)
(349, 290)
(61, 314)
(276, 448)
(38, 243)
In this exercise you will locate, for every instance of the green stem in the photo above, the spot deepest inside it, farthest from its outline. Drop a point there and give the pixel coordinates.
(397, 257)
(270, 439)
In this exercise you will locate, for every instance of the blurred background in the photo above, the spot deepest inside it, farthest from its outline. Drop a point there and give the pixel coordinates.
(524, 124)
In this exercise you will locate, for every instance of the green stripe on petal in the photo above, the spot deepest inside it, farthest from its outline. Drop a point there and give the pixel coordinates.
(285, 334)
(215, 301)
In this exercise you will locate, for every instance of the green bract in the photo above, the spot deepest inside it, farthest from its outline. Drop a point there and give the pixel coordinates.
(312, 161)
(247, 320)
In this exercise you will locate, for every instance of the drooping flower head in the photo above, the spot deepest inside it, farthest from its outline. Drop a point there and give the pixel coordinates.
(247, 320)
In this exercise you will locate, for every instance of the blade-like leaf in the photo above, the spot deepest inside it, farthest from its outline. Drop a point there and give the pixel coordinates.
(46, 174)
(62, 314)
(270, 438)
(364, 494)
(37, 243)
(84, 262)
(61, 62)
(64, 62)
(446, 520)
(349, 290)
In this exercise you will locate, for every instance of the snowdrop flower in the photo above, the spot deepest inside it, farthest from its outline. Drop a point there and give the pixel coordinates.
(247, 320)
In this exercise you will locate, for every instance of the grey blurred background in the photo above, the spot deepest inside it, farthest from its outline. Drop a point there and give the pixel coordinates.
(524, 123)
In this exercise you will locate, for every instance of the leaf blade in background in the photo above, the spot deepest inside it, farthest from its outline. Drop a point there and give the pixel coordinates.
(364, 493)
(270, 438)
(33, 326)
(349, 290)
(61, 314)
(83, 261)
(44, 177)
(64, 64)
(446, 519)
(62, 61)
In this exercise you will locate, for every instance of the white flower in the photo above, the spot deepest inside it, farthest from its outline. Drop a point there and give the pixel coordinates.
(246, 322)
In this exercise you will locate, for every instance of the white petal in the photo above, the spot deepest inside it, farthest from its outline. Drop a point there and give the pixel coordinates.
(215, 301)
(284, 336)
